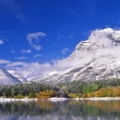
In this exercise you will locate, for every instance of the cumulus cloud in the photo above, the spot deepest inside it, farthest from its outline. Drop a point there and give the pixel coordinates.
(1, 42)
(64, 50)
(33, 39)
(26, 51)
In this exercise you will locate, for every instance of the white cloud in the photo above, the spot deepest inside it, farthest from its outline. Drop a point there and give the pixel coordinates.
(22, 58)
(64, 50)
(15, 64)
(26, 51)
(36, 47)
(2, 61)
(34, 68)
(33, 39)
(1, 42)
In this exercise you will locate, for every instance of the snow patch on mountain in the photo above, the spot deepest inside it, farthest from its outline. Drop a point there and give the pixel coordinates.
(16, 75)
(7, 79)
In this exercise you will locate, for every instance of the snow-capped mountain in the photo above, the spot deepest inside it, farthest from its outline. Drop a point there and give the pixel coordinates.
(7, 79)
(94, 59)
(16, 75)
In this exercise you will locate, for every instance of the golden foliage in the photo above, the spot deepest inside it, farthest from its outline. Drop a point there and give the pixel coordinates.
(106, 92)
(72, 95)
(46, 94)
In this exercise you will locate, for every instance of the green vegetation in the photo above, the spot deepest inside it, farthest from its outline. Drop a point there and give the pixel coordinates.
(89, 89)
(101, 88)
(106, 92)
(30, 90)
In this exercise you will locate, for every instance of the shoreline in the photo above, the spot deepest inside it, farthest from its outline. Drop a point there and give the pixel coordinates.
(54, 99)
(57, 99)
(92, 99)
(99, 98)
(16, 99)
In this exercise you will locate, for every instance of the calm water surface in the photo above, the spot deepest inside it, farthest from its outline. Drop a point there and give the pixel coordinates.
(67, 110)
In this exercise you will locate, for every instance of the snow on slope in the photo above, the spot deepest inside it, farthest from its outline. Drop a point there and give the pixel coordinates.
(16, 75)
(7, 79)
(93, 59)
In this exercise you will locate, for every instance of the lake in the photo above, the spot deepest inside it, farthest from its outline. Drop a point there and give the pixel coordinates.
(64, 110)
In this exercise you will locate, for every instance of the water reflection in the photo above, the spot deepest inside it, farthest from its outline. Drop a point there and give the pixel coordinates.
(67, 110)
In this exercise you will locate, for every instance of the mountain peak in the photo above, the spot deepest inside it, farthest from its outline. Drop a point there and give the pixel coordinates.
(105, 38)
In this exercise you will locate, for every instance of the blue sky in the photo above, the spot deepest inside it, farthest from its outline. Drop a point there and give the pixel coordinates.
(41, 31)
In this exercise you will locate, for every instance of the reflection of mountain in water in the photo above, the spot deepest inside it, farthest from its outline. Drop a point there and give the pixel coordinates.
(68, 110)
